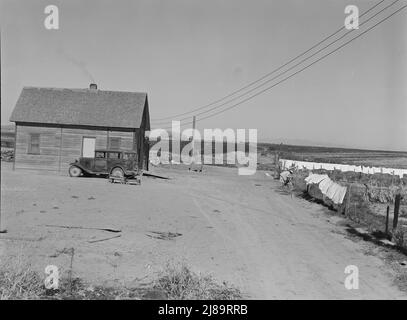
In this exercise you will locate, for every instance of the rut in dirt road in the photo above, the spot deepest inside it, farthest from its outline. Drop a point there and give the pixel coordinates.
(287, 250)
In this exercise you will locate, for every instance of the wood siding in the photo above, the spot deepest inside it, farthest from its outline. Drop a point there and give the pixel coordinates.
(126, 139)
(49, 148)
(72, 144)
(59, 146)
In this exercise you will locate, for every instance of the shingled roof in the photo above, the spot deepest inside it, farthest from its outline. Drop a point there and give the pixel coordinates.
(88, 107)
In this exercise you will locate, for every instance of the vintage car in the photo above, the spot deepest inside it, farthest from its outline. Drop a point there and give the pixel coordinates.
(117, 163)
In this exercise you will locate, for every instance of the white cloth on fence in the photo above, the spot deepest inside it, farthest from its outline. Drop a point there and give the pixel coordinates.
(330, 189)
(315, 178)
(387, 170)
(324, 185)
(284, 176)
(287, 163)
(311, 165)
(336, 193)
(400, 172)
(377, 170)
(358, 169)
(343, 167)
(330, 166)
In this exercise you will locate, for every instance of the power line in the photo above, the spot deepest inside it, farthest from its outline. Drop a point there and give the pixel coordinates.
(306, 67)
(266, 75)
(323, 57)
(289, 69)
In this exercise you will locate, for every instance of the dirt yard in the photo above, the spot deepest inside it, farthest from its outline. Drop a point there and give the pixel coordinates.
(242, 230)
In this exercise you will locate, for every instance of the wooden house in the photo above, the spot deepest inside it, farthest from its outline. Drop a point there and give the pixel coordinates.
(53, 127)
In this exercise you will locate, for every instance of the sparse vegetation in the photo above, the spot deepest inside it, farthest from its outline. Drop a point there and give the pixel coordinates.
(179, 282)
(18, 281)
(370, 195)
(399, 237)
(7, 154)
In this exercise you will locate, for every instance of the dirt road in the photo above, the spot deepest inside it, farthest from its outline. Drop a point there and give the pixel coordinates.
(240, 229)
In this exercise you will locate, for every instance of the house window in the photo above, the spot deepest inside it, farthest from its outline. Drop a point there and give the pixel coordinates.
(34, 143)
(114, 142)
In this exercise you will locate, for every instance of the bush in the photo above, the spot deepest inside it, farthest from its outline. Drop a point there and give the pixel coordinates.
(399, 237)
(7, 154)
(19, 281)
(180, 283)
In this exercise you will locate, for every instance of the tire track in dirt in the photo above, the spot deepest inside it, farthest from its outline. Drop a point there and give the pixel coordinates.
(238, 241)
(292, 252)
(328, 253)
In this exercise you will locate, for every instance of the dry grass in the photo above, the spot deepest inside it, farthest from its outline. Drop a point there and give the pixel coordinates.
(399, 237)
(178, 282)
(367, 204)
(19, 281)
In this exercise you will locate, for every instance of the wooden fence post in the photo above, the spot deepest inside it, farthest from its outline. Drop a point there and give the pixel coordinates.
(396, 210)
(277, 169)
(347, 206)
(387, 220)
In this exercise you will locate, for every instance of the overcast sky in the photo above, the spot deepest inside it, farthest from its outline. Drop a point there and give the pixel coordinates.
(187, 53)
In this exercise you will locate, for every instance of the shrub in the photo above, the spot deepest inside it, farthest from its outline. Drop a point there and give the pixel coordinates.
(179, 282)
(19, 281)
(399, 237)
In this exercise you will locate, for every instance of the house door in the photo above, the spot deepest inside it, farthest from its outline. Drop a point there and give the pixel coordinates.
(88, 147)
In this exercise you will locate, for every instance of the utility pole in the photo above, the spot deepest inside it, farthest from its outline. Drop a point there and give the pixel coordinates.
(193, 142)
(1, 230)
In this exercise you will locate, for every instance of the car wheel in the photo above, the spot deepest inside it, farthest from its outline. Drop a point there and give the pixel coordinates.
(118, 172)
(74, 171)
